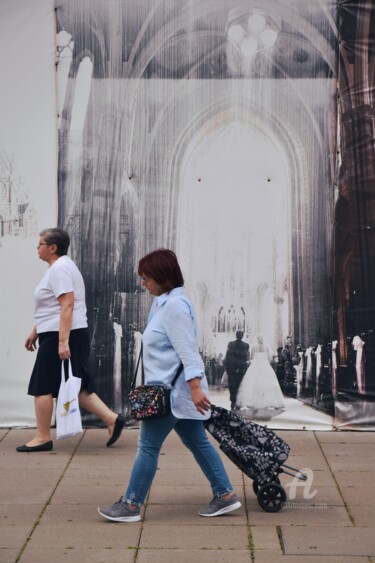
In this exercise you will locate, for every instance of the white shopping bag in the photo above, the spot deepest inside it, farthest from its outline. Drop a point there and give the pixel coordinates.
(68, 415)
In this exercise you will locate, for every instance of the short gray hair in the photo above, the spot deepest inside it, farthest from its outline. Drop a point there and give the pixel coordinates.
(58, 237)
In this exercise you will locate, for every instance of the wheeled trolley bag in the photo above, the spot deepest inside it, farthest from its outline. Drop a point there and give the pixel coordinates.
(257, 451)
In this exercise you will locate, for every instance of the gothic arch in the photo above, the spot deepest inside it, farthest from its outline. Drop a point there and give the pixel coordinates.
(217, 115)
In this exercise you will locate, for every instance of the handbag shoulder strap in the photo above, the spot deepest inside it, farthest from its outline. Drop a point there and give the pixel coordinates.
(181, 367)
(136, 368)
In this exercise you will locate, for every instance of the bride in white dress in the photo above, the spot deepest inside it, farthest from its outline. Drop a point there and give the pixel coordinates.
(259, 396)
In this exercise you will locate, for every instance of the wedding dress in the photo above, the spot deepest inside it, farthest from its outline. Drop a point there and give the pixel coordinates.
(259, 395)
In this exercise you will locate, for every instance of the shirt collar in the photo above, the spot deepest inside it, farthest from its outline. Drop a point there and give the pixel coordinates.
(161, 299)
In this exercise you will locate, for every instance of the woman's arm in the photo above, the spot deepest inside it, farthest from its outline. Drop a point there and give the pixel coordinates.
(181, 332)
(66, 301)
(30, 343)
(198, 396)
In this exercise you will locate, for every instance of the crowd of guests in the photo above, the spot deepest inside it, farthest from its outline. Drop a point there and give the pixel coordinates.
(319, 376)
(305, 374)
(315, 374)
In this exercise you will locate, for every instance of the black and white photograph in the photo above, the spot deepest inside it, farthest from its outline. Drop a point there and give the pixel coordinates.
(239, 135)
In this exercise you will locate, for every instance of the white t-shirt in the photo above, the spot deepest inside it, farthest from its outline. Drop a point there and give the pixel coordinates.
(62, 277)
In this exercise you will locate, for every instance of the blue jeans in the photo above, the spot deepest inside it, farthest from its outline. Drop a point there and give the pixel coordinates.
(193, 435)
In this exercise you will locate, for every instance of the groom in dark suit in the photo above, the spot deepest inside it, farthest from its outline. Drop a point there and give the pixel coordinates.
(236, 362)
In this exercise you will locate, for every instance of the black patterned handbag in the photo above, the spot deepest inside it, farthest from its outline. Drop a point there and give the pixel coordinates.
(151, 401)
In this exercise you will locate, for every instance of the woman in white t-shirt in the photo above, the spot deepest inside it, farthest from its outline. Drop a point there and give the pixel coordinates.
(62, 332)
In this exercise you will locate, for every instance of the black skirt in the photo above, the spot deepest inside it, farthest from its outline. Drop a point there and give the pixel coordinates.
(46, 375)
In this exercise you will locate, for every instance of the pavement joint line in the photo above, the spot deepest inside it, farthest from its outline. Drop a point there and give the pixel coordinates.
(281, 539)
(37, 522)
(138, 547)
(351, 517)
(250, 538)
(6, 434)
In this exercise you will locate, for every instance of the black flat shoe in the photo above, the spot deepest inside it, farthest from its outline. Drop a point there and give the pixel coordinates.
(119, 425)
(46, 447)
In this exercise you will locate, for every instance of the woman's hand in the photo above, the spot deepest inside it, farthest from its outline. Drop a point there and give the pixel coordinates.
(30, 343)
(198, 396)
(64, 350)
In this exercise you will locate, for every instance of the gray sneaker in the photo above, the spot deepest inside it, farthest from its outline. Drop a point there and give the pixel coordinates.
(120, 512)
(219, 506)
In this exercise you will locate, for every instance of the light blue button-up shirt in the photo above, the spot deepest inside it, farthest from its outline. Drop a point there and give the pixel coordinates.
(171, 337)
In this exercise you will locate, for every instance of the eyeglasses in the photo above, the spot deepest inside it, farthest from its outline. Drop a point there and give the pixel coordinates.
(43, 243)
(145, 280)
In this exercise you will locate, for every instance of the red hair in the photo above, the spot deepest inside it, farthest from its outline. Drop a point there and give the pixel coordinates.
(162, 266)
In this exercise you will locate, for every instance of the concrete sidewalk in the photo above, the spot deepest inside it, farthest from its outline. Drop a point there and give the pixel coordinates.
(49, 504)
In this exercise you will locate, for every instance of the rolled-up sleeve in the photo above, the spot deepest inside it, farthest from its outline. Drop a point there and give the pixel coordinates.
(183, 335)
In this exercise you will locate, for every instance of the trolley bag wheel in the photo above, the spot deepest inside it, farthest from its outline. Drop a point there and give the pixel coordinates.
(271, 497)
(256, 485)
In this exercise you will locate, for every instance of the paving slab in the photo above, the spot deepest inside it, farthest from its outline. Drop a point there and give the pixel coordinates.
(12, 460)
(344, 437)
(59, 554)
(347, 541)
(97, 444)
(97, 437)
(363, 516)
(296, 516)
(181, 477)
(355, 478)
(358, 496)
(95, 533)
(104, 460)
(18, 514)
(265, 538)
(291, 436)
(56, 515)
(307, 499)
(318, 477)
(301, 447)
(314, 460)
(8, 555)
(102, 494)
(344, 463)
(94, 476)
(15, 536)
(193, 556)
(194, 537)
(187, 515)
(107, 486)
(34, 495)
(184, 494)
(22, 479)
(350, 449)
(267, 557)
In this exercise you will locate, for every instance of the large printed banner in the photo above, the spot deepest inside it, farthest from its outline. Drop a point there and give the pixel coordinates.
(241, 135)
(28, 191)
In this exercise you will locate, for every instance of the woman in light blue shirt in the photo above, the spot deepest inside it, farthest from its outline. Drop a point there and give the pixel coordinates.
(171, 338)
